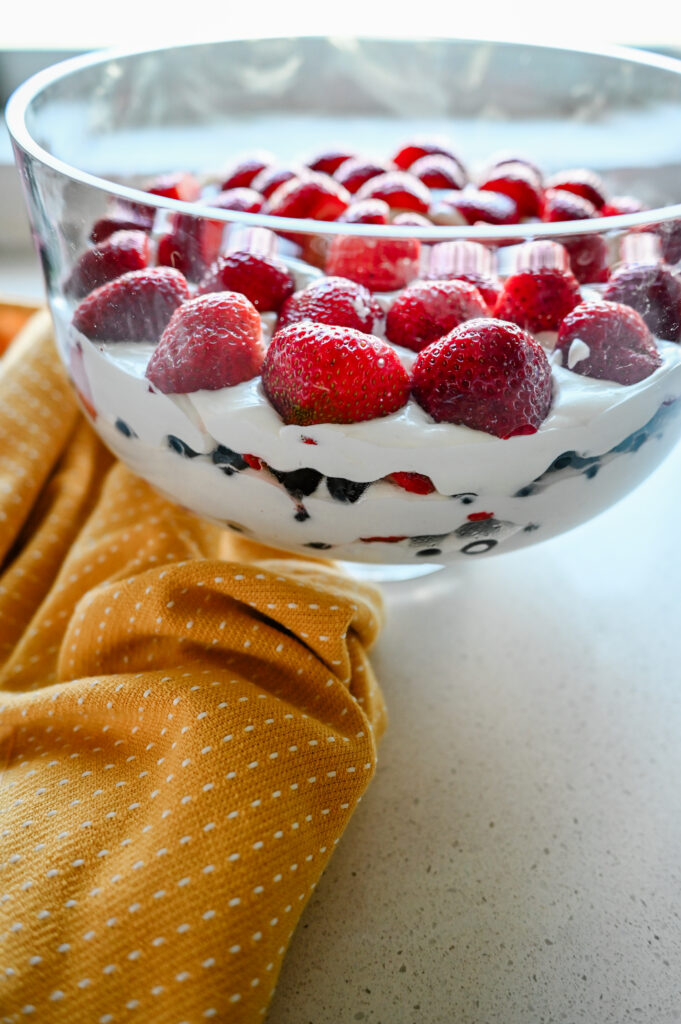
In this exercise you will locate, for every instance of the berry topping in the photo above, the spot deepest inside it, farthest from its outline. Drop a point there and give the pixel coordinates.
(519, 183)
(473, 206)
(134, 307)
(329, 160)
(417, 483)
(439, 171)
(267, 282)
(244, 171)
(119, 253)
(654, 291)
(408, 154)
(608, 341)
(582, 182)
(400, 190)
(381, 264)
(211, 342)
(178, 185)
(428, 309)
(465, 261)
(487, 375)
(368, 211)
(319, 374)
(336, 301)
(269, 180)
(542, 291)
(316, 196)
(559, 205)
(355, 172)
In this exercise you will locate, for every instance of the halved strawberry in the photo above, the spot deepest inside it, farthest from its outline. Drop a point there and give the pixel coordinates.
(608, 341)
(134, 307)
(119, 253)
(122, 218)
(407, 155)
(472, 206)
(415, 483)
(176, 185)
(336, 301)
(619, 205)
(439, 171)
(269, 179)
(329, 160)
(367, 211)
(519, 183)
(316, 196)
(559, 205)
(410, 219)
(355, 172)
(582, 182)
(381, 264)
(541, 291)
(242, 173)
(426, 310)
(265, 281)
(400, 190)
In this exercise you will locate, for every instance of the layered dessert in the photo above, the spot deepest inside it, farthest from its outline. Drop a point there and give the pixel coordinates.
(377, 398)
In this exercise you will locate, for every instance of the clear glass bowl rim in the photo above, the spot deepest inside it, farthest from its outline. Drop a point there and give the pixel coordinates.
(23, 96)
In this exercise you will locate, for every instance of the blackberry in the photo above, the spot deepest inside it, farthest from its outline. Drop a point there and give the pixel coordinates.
(181, 447)
(345, 490)
(229, 462)
(298, 482)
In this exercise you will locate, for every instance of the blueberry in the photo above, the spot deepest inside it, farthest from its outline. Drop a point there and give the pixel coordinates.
(299, 482)
(345, 490)
(526, 491)
(124, 428)
(181, 447)
(228, 461)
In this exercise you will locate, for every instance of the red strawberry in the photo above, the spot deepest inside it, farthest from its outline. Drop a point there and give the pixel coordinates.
(269, 179)
(541, 291)
(439, 171)
(266, 282)
(121, 218)
(611, 342)
(335, 301)
(407, 155)
(381, 264)
(509, 156)
(368, 211)
(355, 172)
(178, 185)
(316, 196)
(517, 182)
(408, 219)
(559, 205)
(670, 236)
(654, 291)
(318, 374)
(589, 258)
(428, 309)
(116, 255)
(465, 261)
(400, 190)
(582, 182)
(416, 483)
(242, 200)
(211, 342)
(134, 307)
(472, 206)
(329, 160)
(618, 205)
(242, 173)
(487, 375)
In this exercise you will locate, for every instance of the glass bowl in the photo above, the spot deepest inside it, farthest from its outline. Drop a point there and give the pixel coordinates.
(412, 480)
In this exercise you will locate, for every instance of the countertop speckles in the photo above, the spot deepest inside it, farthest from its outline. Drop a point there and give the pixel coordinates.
(515, 860)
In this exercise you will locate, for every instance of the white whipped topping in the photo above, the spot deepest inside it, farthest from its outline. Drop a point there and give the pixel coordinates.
(579, 351)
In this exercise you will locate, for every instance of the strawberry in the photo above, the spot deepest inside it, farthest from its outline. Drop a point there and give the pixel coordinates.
(517, 182)
(670, 236)
(400, 190)
(265, 281)
(415, 483)
(409, 219)
(472, 206)
(619, 205)
(242, 173)
(269, 179)
(316, 196)
(329, 160)
(654, 291)
(122, 218)
(244, 238)
(211, 342)
(240, 199)
(134, 307)
(381, 264)
(509, 156)
(612, 342)
(439, 171)
(487, 375)
(559, 205)
(335, 301)
(581, 182)
(589, 258)
(541, 291)
(428, 309)
(465, 261)
(116, 255)
(319, 374)
(407, 155)
(355, 172)
(178, 185)
(368, 211)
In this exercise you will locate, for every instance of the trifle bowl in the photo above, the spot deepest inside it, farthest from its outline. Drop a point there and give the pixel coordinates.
(389, 302)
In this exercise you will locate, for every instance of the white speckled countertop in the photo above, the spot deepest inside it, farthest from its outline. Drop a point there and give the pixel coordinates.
(516, 858)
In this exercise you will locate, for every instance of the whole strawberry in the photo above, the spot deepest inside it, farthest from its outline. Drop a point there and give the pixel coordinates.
(211, 342)
(581, 182)
(399, 189)
(134, 307)
(315, 195)
(355, 172)
(463, 260)
(428, 309)
(654, 291)
(541, 291)
(319, 374)
(381, 264)
(335, 301)
(439, 171)
(487, 375)
(519, 183)
(119, 253)
(608, 341)
(266, 281)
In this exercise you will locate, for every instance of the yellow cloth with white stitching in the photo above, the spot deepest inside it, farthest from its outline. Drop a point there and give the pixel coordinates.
(187, 723)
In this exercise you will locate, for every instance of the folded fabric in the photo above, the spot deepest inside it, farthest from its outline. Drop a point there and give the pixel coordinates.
(187, 722)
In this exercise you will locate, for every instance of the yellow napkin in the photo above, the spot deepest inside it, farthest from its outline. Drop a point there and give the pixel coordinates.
(187, 723)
